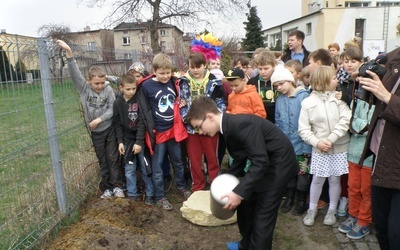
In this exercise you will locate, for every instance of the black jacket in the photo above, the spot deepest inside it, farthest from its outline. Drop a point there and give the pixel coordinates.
(272, 157)
(287, 56)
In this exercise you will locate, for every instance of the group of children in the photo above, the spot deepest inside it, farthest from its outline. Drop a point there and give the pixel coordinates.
(313, 106)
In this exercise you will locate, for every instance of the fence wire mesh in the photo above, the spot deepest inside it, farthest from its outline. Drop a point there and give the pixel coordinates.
(32, 179)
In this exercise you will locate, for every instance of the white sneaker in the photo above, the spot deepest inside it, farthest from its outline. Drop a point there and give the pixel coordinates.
(107, 194)
(118, 192)
(330, 218)
(310, 217)
(342, 209)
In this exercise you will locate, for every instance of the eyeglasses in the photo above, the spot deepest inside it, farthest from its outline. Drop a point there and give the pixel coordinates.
(201, 124)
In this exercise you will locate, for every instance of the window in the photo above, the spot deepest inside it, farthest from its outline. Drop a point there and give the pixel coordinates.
(356, 4)
(142, 40)
(309, 28)
(125, 32)
(162, 32)
(126, 40)
(127, 56)
(163, 45)
(91, 46)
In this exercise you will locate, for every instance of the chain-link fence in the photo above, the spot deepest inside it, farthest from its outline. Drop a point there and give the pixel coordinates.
(47, 162)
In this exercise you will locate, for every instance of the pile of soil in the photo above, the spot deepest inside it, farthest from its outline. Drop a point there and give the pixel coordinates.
(119, 223)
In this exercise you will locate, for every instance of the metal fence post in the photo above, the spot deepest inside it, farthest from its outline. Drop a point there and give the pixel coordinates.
(51, 125)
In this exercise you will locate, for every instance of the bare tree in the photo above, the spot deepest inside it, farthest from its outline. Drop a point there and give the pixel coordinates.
(54, 32)
(191, 13)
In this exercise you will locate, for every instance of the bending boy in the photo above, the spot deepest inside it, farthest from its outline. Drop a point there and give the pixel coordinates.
(273, 162)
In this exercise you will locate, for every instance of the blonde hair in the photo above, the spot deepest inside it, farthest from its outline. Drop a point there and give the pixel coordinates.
(162, 61)
(321, 78)
(355, 42)
(265, 58)
(296, 64)
(96, 71)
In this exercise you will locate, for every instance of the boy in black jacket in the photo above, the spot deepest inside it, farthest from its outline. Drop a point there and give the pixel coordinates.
(130, 132)
(273, 162)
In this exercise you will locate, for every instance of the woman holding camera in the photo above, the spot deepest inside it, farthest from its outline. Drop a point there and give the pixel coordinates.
(383, 141)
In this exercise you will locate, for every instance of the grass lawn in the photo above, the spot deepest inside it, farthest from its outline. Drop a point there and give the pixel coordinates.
(28, 200)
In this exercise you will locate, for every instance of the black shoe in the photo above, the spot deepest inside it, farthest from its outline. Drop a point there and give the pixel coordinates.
(301, 204)
(288, 204)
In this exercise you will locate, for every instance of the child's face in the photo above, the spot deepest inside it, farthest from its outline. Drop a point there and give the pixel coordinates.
(137, 75)
(163, 75)
(206, 126)
(238, 85)
(265, 71)
(351, 65)
(284, 87)
(295, 74)
(306, 80)
(214, 64)
(197, 72)
(333, 84)
(97, 83)
(128, 89)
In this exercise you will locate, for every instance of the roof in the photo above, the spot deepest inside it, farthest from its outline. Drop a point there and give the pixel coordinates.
(141, 25)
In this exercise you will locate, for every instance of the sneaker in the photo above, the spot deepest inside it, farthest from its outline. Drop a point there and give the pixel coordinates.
(330, 218)
(347, 225)
(234, 245)
(310, 217)
(342, 209)
(186, 193)
(168, 183)
(149, 200)
(358, 232)
(107, 194)
(164, 203)
(118, 192)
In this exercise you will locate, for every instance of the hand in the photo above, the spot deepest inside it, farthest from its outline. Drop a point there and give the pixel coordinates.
(136, 149)
(93, 124)
(182, 103)
(65, 47)
(233, 200)
(375, 86)
(121, 148)
(324, 146)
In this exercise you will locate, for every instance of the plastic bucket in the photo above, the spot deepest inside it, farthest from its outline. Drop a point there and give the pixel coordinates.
(221, 185)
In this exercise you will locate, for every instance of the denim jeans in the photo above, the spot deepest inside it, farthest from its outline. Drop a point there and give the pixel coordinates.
(130, 174)
(174, 151)
(386, 215)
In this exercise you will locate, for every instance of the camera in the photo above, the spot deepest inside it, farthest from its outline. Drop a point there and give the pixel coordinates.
(373, 66)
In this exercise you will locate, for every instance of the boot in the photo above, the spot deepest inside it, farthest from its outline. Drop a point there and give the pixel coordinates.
(301, 203)
(287, 205)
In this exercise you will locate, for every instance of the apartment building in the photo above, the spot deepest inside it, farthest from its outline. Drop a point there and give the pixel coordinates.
(328, 21)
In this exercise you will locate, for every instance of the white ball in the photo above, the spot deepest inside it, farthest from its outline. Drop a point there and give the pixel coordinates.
(222, 185)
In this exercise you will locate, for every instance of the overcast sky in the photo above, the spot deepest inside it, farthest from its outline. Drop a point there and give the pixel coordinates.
(24, 17)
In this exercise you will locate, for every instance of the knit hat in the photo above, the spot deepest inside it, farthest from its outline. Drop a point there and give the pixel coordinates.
(281, 74)
(234, 74)
(381, 58)
(138, 67)
(218, 73)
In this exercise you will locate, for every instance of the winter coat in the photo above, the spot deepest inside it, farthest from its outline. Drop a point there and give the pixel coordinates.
(287, 113)
(323, 117)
